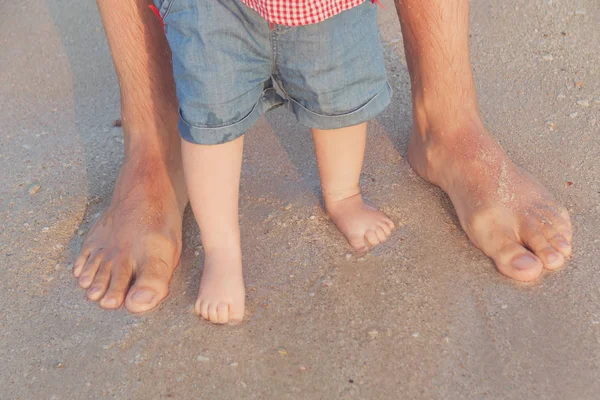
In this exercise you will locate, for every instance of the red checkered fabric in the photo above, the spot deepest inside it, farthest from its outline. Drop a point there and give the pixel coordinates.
(299, 12)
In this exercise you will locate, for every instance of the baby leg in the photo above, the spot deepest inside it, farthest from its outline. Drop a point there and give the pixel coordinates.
(212, 175)
(340, 154)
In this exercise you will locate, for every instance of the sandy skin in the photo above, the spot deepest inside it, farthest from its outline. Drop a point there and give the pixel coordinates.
(504, 211)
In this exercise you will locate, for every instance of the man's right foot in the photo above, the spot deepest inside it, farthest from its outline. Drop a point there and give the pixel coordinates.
(130, 253)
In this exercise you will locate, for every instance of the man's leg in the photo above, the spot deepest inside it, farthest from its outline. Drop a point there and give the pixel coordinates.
(503, 210)
(130, 253)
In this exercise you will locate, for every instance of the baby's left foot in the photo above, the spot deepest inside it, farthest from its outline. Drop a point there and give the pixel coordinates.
(362, 224)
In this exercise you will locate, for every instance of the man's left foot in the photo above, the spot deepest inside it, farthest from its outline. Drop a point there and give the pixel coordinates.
(504, 211)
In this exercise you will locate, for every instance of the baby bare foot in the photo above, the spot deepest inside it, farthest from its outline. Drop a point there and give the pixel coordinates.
(504, 211)
(221, 298)
(363, 225)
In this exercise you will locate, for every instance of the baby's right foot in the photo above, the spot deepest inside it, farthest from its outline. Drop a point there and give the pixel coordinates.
(222, 296)
(363, 225)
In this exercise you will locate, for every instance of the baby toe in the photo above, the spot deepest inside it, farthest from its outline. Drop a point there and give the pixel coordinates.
(223, 313)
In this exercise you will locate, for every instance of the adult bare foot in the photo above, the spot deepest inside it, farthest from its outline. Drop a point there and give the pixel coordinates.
(504, 211)
(130, 253)
(222, 296)
(363, 225)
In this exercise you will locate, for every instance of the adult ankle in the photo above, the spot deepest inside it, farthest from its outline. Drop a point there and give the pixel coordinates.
(445, 118)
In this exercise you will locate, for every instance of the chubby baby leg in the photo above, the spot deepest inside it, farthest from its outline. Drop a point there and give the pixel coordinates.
(212, 175)
(340, 154)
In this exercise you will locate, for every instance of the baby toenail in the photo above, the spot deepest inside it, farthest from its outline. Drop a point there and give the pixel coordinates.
(142, 296)
(525, 261)
(563, 245)
(93, 290)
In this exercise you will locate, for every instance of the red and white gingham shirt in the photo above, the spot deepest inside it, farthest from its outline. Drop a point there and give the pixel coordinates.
(299, 12)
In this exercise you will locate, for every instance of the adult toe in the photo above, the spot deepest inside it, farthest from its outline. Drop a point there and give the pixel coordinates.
(539, 245)
(80, 261)
(514, 261)
(121, 274)
(89, 269)
(557, 231)
(100, 283)
(150, 287)
(560, 243)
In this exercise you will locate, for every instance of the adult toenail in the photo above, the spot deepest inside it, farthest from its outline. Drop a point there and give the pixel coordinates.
(142, 297)
(525, 261)
(110, 302)
(552, 258)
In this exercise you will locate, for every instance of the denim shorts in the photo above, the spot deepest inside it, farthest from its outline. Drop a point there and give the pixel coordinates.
(226, 58)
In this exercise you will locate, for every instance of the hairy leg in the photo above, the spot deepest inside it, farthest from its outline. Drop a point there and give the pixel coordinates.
(505, 212)
(130, 253)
